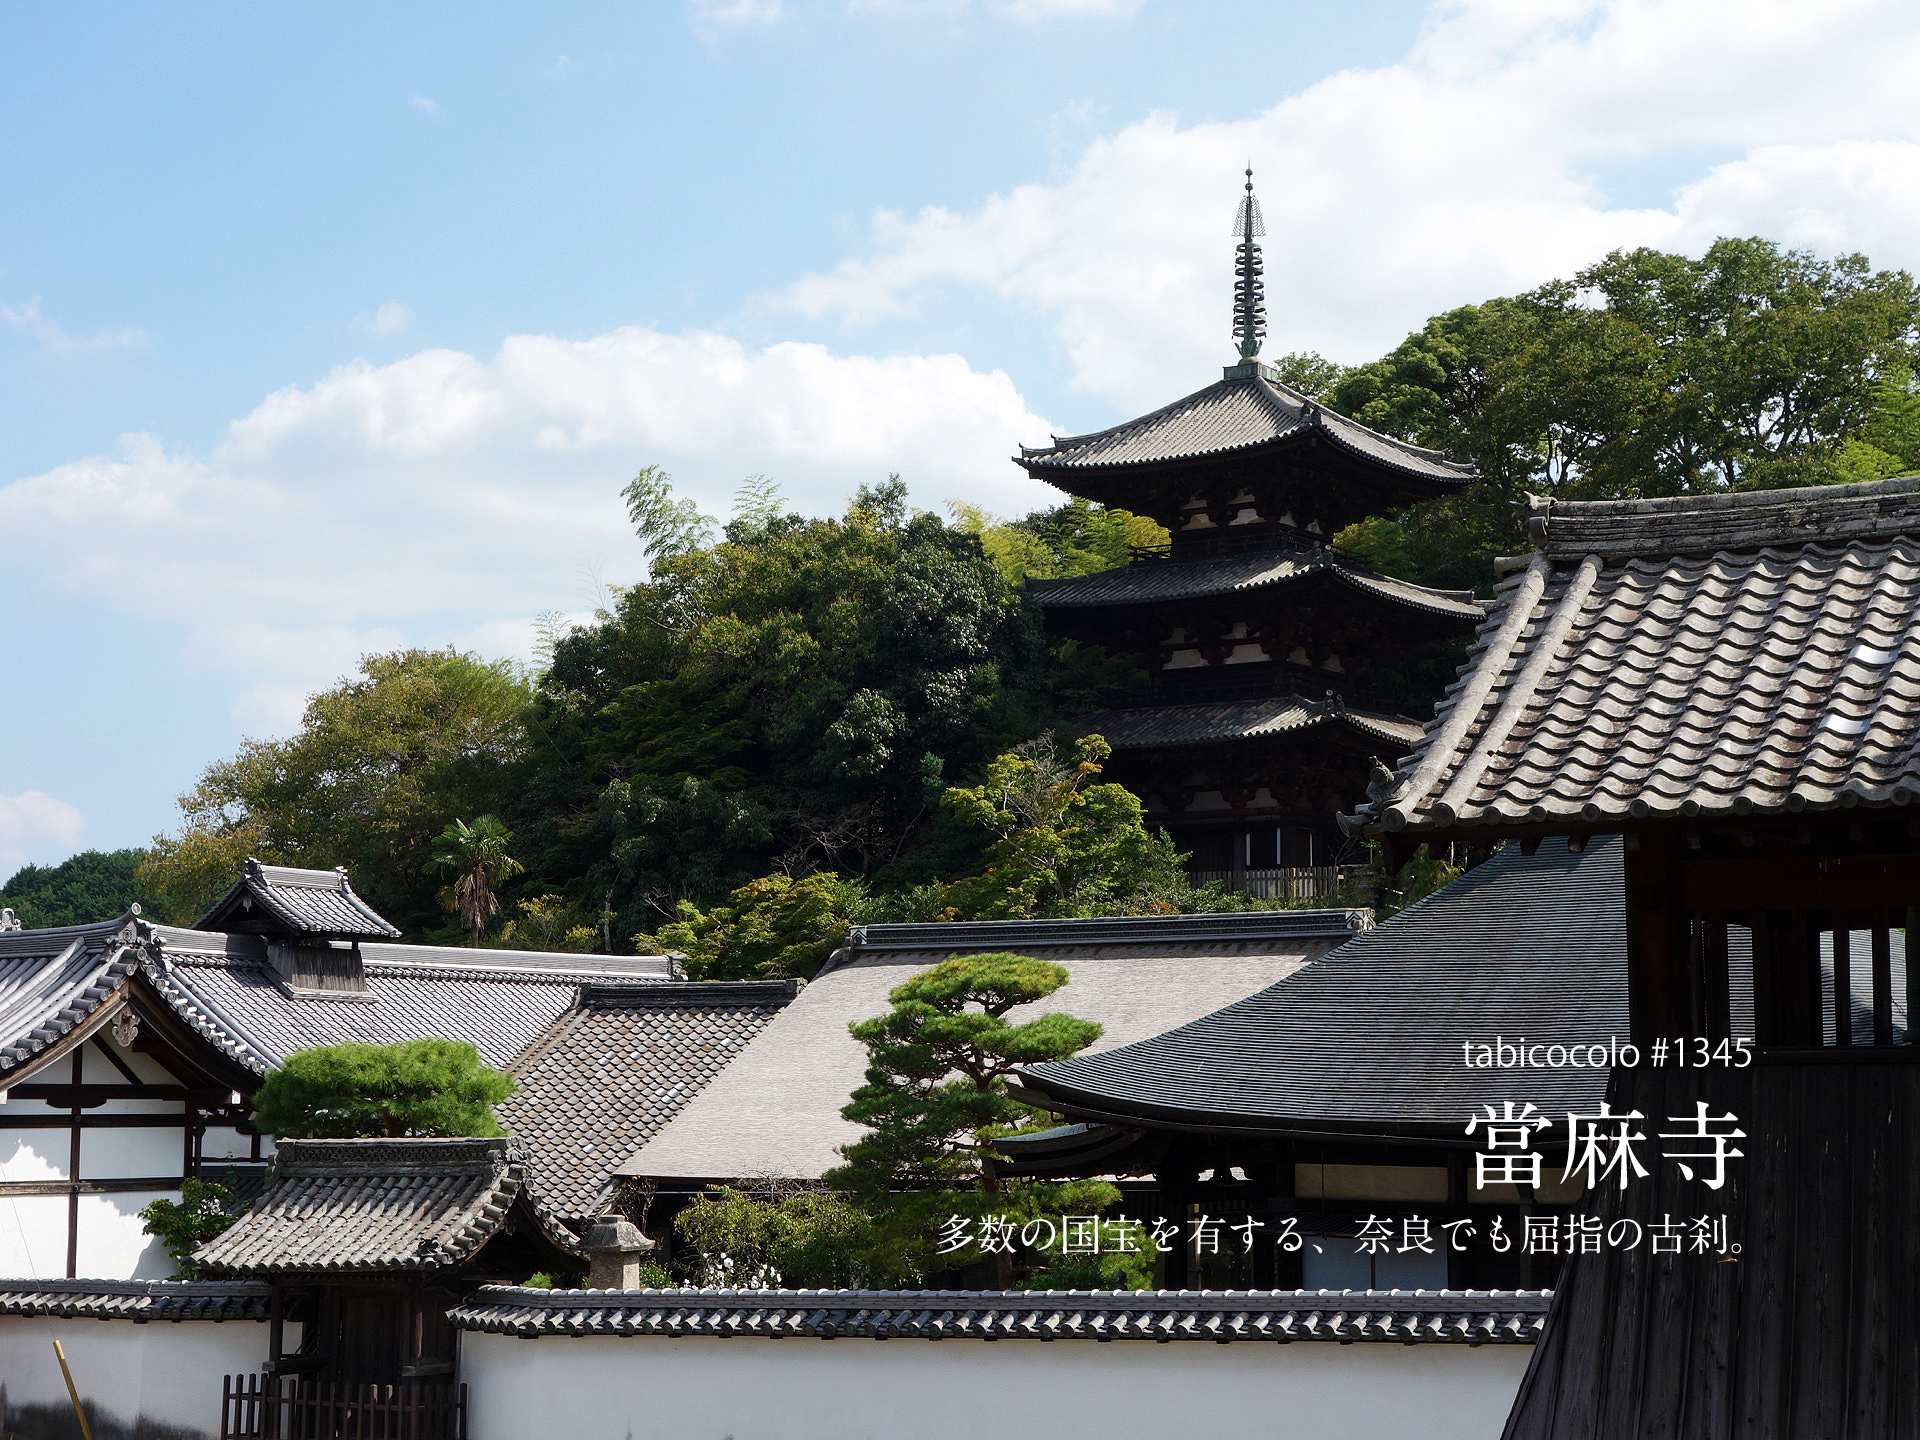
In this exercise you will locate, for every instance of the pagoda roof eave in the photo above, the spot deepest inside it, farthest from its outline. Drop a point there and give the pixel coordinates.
(1244, 414)
(1158, 582)
(1184, 727)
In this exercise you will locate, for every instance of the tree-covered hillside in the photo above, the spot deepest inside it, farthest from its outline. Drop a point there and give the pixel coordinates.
(781, 726)
(93, 885)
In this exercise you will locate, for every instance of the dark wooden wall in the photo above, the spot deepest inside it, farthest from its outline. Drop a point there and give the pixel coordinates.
(1813, 1332)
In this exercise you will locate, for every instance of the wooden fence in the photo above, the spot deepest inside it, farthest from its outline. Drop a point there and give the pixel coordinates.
(1291, 882)
(257, 1407)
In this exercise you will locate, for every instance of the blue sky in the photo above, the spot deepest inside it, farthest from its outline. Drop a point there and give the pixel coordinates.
(328, 330)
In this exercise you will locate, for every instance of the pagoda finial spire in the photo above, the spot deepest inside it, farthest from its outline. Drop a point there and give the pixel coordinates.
(1249, 295)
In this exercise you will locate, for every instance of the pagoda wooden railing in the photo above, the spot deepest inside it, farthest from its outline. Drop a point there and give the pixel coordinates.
(286, 1407)
(1283, 882)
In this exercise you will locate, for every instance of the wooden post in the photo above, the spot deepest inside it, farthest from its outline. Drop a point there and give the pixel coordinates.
(73, 1393)
(1661, 985)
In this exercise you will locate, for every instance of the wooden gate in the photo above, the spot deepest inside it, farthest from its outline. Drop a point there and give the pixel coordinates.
(257, 1407)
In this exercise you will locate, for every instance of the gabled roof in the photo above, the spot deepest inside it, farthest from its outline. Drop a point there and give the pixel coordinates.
(383, 1206)
(1159, 582)
(1247, 410)
(1368, 1038)
(54, 983)
(607, 1075)
(496, 1000)
(1170, 727)
(1402, 1317)
(317, 903)
(775, 1111)
(1726, 655)
(54, 980)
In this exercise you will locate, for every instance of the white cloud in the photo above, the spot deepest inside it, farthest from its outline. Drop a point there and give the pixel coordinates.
(55, 340)
(36, 828)
(450, 497)
(1027, 12)
(1032, 12)
(424, 105)
(1474, 166)
(713, 14)
(388, 319)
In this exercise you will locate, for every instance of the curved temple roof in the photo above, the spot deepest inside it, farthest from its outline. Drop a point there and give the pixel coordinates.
(1167, 727)
(1157, 582)
(302, 902)
(373, 1206)
(1729, 655)
(1245, 411)
(1367, 1039)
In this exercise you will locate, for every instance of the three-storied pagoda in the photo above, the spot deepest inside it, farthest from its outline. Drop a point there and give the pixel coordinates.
(1259, 637)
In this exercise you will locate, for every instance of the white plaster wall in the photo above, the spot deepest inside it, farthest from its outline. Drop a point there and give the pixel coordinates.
(113, 1244)
(167, 1374)
(33, 1235)
(647, 1388)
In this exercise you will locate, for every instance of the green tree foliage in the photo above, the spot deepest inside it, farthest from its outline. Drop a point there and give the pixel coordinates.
(797, 1237)
(476, 857)
(936, 1096)
(1062, 846)
(382, 763)
(93, 885)
(204, 1211)
(794, 697)
(1077, 538)
(770, 928)
(1646, 374)
(547, 922)
(418, 1087)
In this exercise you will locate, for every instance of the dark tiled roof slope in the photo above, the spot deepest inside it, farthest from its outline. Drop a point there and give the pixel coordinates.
(1157, 582)
(1242, 412)
(372, 1206)
(606, 1076)
(1464, 1317)
(1260, 927)
(1775, 673)
(1166, 727)
(305, 902)
(52, 980)
(1368, 1037)
(137, 1300)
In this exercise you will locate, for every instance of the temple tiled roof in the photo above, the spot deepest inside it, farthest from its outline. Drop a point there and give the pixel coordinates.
(775, 1111)
(225, 988)
(1368, 1038)
(136, 1300)
(606, 1076)
(1158, 582)
(1729, 655)
(1167, 727)
(303, 902)
(1246, 411)
(53, 980)
(380, 1206)
(496, 1000)
(1462, 1317)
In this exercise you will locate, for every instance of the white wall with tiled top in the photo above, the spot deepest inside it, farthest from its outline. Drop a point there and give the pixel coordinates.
(657, 1388)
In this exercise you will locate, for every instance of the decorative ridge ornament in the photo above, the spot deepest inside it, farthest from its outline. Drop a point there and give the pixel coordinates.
(1249, 294)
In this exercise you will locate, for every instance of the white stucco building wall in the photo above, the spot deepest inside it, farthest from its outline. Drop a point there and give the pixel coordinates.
(166, 1374)
(700, 1388)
